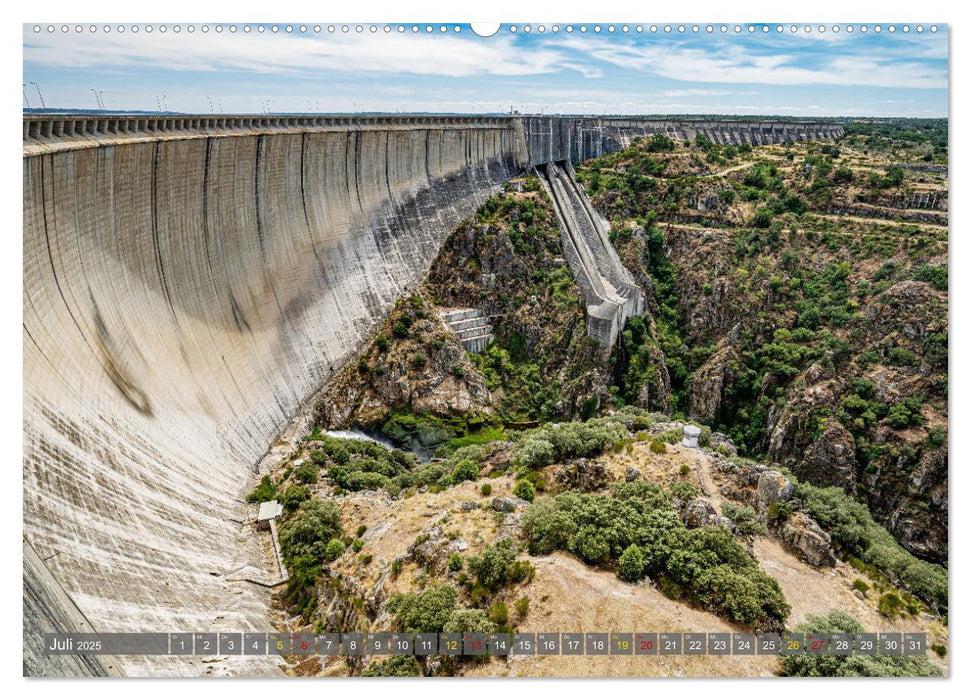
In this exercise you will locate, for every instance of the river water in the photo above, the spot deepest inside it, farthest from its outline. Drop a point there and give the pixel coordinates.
(421, 454)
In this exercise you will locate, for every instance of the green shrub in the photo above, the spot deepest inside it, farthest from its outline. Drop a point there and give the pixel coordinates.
(684, 491)
(933, 275)
(303, 539)
(486, 489)
(631, 565)
(684, 470)
(307, 532)
(396, 566)
(831, 665)
(861, 585)
(465, 470)
(524, 489)
(904, 414)
(400, 328)
(361, 529)
(334, 550)
(499, 614)
(307, 473)
(671, 437)
(936, 437)
(293, 496)
(381, 343)
(497, 567)
(658, 447)
(357, 545)
(902, 357)
(745, 519)
(939, 649)
(762, 218)
(704, 439)
(264, 491)
(427, 611)
(469, 620)
(419, 360)
(521, 607)
(890, 605)
(455, 562)
(842, 175)
(535, 453)
(393, 667)
(855, 532)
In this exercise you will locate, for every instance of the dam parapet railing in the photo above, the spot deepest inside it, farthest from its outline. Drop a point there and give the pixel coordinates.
(47, 133)
(547, 138)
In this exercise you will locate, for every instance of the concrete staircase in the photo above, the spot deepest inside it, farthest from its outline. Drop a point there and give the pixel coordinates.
(472, 328)
(610, 292)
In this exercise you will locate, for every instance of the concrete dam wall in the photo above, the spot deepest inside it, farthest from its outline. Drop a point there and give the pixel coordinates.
(189, 283)
(582, 138)
(182, 298)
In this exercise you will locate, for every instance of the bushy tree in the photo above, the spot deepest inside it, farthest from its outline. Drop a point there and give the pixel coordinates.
(308, 531)
(334, 550)
(307, 473)
(293, 496)
(745, 519)
(631, 564)
(394, 666)
(492, 568)
(469, 620)
(831, 665)
(427, 611)
(465, 470)
(525, 490)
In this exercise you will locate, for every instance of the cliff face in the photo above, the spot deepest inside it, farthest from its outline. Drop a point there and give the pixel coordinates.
(816, 340)
(181, 299)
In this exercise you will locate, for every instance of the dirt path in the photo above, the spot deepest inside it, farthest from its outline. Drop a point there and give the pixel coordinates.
(732, 169)
(709, 488)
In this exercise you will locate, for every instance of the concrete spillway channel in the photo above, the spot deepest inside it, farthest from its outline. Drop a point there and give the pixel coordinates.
(610, 292)
(189, 282)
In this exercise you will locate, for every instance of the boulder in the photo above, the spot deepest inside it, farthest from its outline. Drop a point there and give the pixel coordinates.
(773, 487)
(632, 474)
(830, 460)
(804, 535)
(508, 504)
(698, 513)
(583, 475)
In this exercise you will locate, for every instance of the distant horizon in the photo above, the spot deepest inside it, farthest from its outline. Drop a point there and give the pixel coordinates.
(53, 111)
(755, 69)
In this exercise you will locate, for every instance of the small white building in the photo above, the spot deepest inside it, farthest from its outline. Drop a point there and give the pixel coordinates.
(269, 510)
(691, 433)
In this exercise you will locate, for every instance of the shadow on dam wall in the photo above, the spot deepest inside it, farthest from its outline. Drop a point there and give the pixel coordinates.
(186, 289)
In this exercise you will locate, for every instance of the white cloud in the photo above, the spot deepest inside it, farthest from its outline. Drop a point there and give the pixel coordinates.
(274, 53)
(735, 64)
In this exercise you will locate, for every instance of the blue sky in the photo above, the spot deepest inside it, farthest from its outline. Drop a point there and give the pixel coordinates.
(784, 73)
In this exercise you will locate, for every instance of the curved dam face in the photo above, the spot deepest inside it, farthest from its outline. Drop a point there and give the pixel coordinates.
(182, 298)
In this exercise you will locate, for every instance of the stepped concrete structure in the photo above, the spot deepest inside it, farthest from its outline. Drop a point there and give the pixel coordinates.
(472, 328)
(189, 283)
